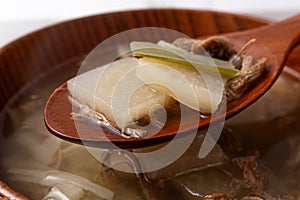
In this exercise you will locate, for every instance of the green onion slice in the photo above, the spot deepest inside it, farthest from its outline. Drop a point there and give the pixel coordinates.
(168, 52)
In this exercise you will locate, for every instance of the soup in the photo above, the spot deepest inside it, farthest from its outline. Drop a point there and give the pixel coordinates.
(258, 155)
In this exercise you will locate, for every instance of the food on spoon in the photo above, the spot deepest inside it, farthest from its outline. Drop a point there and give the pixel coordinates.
(163, 72)
(237, 86)
(220, 47)
(182, 75)
(168, 52)
(185, 85)
(96, 89)
(217, 46)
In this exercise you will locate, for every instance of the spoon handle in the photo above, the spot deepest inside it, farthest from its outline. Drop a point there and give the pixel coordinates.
(280, 37)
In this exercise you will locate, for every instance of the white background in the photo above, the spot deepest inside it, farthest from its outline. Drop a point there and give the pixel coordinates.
(18, 17)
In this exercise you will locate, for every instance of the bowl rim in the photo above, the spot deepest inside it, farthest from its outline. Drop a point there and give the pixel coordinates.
(249, 17)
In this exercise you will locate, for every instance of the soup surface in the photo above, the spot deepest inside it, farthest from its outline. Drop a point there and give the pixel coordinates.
(257, 155)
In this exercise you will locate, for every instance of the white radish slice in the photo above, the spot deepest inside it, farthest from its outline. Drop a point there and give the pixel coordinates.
(106, 89)
(183, 83)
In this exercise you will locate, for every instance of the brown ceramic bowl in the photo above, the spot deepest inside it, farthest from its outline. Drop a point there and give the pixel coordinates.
(64, 44)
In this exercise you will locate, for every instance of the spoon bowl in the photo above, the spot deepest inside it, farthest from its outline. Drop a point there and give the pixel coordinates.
(274, 42)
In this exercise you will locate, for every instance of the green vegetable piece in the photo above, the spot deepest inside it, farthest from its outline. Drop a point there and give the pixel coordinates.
(168, 52)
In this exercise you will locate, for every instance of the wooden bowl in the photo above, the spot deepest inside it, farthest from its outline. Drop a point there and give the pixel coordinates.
(39, 52)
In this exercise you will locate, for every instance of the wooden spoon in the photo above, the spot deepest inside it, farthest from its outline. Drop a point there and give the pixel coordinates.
(274, 42)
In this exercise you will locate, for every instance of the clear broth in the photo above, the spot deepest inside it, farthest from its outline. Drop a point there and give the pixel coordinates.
(270, 126)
